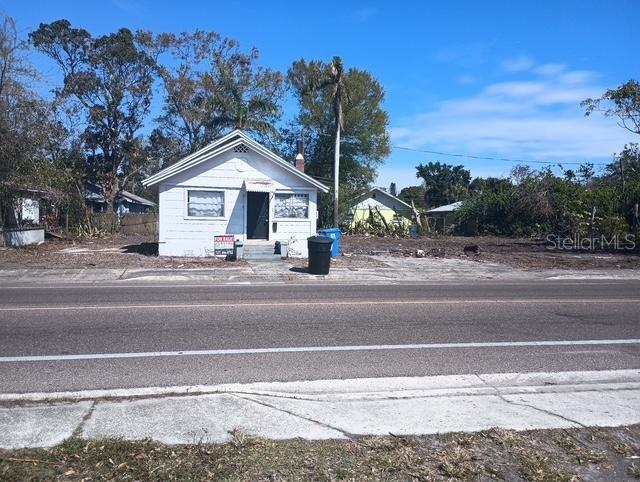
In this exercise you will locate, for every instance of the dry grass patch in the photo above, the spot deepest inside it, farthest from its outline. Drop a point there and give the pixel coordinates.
(548, 455)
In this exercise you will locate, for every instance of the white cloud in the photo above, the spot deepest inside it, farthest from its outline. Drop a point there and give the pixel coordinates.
(517, 64)
(466, 79)
(534, 119)
(549, 69)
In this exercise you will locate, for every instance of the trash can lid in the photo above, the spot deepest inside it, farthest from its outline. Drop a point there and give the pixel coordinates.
(320, 240)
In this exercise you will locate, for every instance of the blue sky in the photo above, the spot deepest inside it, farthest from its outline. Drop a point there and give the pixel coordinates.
(487, 78)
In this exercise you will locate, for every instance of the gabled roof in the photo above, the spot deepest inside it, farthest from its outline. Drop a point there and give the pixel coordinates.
(370, 193)
(447, 208)
(221, 145)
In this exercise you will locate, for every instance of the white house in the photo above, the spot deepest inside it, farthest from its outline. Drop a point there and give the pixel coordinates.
(234, 186)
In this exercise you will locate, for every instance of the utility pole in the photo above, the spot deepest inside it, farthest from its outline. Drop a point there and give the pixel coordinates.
(636, 224)
(336, 176)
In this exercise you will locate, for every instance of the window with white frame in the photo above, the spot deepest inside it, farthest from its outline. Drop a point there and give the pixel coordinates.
(292, 206)
(205, 204)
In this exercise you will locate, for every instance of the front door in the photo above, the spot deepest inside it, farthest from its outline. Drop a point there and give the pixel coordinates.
(257, 215)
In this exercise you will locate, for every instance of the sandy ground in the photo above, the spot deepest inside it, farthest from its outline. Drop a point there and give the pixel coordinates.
(358, 252)
(133, 251)
(520, 253)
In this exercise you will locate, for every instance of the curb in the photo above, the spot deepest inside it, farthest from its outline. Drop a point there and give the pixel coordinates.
(368, 388)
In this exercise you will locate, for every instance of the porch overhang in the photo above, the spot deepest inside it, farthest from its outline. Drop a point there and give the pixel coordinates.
(259, 185)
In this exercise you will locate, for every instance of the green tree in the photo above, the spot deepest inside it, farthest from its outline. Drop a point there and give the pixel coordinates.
(413, 194)
(211, 86)
(35, 148)
(250, 96)
(339, 95)
(539, 202)
(443, 183)
(186, 123)
(360, 140)
(623, 103)
(329, 80)
(623, 174)
(110, 79)
(489, 208)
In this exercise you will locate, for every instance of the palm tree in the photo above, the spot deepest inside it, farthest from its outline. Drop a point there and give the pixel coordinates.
(246, 97)
(339, 93)
(333, 79)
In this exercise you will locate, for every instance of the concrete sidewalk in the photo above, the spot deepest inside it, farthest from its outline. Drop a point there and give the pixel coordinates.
(388, 270)
(329, 409)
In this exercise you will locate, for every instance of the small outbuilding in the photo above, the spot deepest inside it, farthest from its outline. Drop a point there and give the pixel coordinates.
(235, 186)
(443, 216)
(21, 220)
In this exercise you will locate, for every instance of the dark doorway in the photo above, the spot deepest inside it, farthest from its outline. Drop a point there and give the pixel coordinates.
(257, 215)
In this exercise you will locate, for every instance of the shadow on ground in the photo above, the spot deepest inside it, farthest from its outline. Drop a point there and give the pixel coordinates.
(299, 270)
(145, 249)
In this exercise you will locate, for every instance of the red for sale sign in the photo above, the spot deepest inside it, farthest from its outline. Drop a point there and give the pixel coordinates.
(223, 245)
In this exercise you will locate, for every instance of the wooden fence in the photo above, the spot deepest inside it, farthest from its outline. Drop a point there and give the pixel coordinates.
(146, 223)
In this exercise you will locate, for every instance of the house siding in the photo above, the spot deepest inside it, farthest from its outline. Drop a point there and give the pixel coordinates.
(388, 207)
(180, 235)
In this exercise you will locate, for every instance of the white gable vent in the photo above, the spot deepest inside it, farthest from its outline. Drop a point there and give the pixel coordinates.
(241, 148)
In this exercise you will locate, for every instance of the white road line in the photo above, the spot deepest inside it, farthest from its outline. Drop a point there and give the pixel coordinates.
(289, 304)
(309, 349)
(320, 283)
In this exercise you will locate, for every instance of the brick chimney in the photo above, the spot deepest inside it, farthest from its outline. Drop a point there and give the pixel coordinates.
(300, 156)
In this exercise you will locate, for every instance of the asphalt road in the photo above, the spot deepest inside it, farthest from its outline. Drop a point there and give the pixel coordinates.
(145, 335)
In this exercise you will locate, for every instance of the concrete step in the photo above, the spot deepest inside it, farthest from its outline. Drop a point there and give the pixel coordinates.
(260, 252)
(268, 250)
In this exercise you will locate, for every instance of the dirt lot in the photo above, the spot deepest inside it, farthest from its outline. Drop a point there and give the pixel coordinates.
(353, 262)
(118, 251)
(519, 253)
(547, 455)
(141, 252)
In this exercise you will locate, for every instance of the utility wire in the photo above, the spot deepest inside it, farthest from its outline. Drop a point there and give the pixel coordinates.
(469, 156)
(345, 139)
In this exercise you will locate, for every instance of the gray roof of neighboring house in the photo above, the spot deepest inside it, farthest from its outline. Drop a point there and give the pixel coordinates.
(136, 199)
(366, 194)
(447, 208)
(91, 194)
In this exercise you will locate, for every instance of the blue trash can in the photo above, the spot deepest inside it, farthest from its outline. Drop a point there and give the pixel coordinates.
(333, 233)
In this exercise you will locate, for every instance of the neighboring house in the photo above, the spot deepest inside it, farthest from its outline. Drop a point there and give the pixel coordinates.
(234, 186)
(124, 203)
(25, 208)
(393, 209)
(443, 216)
(20, 222)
